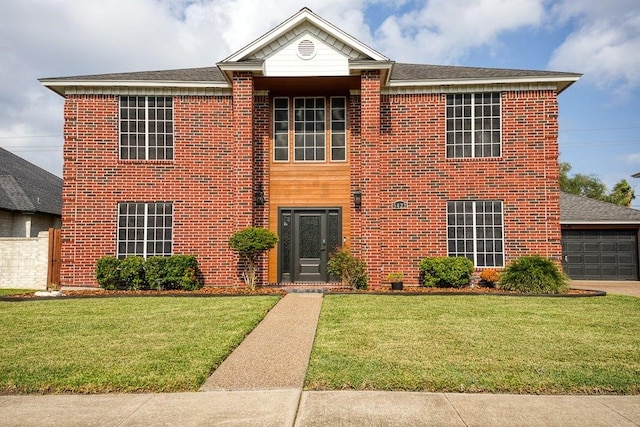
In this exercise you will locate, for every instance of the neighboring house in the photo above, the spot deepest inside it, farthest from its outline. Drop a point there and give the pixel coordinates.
(323, 140)
(30, 197)
(599, 239)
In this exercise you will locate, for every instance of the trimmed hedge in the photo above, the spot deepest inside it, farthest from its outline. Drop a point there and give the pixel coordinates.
(133, 273)
(533, 274)
(445, 272)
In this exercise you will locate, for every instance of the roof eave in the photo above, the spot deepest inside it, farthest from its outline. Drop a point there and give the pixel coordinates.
(385, 67)
(228, 68)
(60, 86)
(562, 83)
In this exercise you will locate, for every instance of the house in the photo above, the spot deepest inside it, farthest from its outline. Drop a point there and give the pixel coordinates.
(30, 197)
(599, 239)
(327, 142)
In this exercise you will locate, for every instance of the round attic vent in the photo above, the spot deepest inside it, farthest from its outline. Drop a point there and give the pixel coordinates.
(306, 49)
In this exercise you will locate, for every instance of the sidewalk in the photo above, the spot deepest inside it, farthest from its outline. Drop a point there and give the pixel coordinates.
(260, 384)
(292, 407)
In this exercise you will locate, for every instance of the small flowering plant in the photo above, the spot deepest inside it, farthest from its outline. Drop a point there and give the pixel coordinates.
(490, 276)
(395, 276)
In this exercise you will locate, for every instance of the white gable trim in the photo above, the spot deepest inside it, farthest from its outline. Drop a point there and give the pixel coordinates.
(305, 15)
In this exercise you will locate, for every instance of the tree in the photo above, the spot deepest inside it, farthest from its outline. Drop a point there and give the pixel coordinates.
(582, 185)
(622, 194)
(250, 243)
(591, 186)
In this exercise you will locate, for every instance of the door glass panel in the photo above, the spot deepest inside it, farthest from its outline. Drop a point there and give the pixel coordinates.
(333, 232)
(310, 236)
(285, 243)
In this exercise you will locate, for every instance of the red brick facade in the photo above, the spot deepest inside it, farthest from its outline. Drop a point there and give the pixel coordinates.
(397, 153)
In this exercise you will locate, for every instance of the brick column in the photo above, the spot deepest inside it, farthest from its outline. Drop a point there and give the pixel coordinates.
(243, 145)
(370, 173)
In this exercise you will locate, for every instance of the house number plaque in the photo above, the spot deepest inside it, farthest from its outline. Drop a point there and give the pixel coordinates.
(399, 205)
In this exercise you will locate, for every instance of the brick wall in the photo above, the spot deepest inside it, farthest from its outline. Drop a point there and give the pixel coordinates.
(413, 168)
(397, 152)
(199, 181)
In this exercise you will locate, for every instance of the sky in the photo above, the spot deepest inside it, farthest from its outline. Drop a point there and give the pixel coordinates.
(599, 118)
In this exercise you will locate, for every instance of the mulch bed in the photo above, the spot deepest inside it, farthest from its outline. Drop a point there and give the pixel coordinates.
(273, 290)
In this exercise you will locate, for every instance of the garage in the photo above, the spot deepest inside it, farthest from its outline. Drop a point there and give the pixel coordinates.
(600, 254)
(599, 239)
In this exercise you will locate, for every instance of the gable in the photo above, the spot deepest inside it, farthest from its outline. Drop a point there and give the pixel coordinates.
(307, 55)
(305, 45)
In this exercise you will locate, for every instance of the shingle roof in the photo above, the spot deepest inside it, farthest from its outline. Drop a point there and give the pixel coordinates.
(25, 187)
(441, 72)
(205, 74)
(583, 210)
(401, 72)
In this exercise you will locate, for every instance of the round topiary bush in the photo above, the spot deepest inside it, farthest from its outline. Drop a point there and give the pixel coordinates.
(533, 274)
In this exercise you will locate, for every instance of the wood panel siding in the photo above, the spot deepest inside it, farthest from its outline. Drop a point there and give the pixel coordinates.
(307, 185)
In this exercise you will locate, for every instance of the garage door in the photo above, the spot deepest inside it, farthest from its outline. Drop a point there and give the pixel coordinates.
(600, 254)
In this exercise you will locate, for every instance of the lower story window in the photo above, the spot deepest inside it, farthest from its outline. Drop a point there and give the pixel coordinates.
(475, 231)
(145, 229)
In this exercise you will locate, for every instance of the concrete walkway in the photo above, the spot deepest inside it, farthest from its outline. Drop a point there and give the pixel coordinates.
(260, 384)
(630, 288)
(276, 353)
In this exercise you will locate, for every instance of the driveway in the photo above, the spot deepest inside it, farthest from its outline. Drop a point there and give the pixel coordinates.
(610, 287)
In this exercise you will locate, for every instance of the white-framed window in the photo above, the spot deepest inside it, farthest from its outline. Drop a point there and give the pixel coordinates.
(309, 133)
(473, 125)
(338, 129)
(145, 229)
(475, 231)
(310, 122)
(146, 128)
(281, 129)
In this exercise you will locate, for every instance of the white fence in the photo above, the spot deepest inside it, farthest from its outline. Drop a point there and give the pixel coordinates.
(24, 262)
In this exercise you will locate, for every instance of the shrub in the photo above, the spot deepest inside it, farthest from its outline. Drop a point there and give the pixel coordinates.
(108, 272)
(132, 273)
(533, 274)
(446, 271)
(250, 243)
(182, 272)
(154, 271)
(351, 270)
(489, 277)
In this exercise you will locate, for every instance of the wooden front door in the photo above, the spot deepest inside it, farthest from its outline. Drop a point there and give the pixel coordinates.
(307, 238)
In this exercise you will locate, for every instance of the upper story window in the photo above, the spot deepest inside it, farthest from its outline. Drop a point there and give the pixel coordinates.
(311, 124)
(146, 128)
(473, 125)
(145, 229)
(475, 230)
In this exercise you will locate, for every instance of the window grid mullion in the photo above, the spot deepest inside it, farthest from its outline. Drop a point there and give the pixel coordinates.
(144, 231)
(475, 233)
(146, 128)
(473, 127)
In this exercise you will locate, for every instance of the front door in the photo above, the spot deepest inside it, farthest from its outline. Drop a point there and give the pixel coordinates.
(307, 237)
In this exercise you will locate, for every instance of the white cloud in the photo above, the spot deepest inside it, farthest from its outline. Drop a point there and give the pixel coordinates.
(604, 45)
(443, 31)
(632, 159)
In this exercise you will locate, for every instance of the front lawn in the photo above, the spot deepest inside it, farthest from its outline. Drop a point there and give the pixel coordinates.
(7, 292)
(108, 345)
(478, 344)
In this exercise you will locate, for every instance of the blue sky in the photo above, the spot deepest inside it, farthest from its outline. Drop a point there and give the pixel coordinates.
(599, 116)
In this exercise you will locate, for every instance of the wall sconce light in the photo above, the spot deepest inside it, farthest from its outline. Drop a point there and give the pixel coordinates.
(357, 199)
(258, 196)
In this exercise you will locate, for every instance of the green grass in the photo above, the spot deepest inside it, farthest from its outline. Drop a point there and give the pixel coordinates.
(478, 344)
(108, 345)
